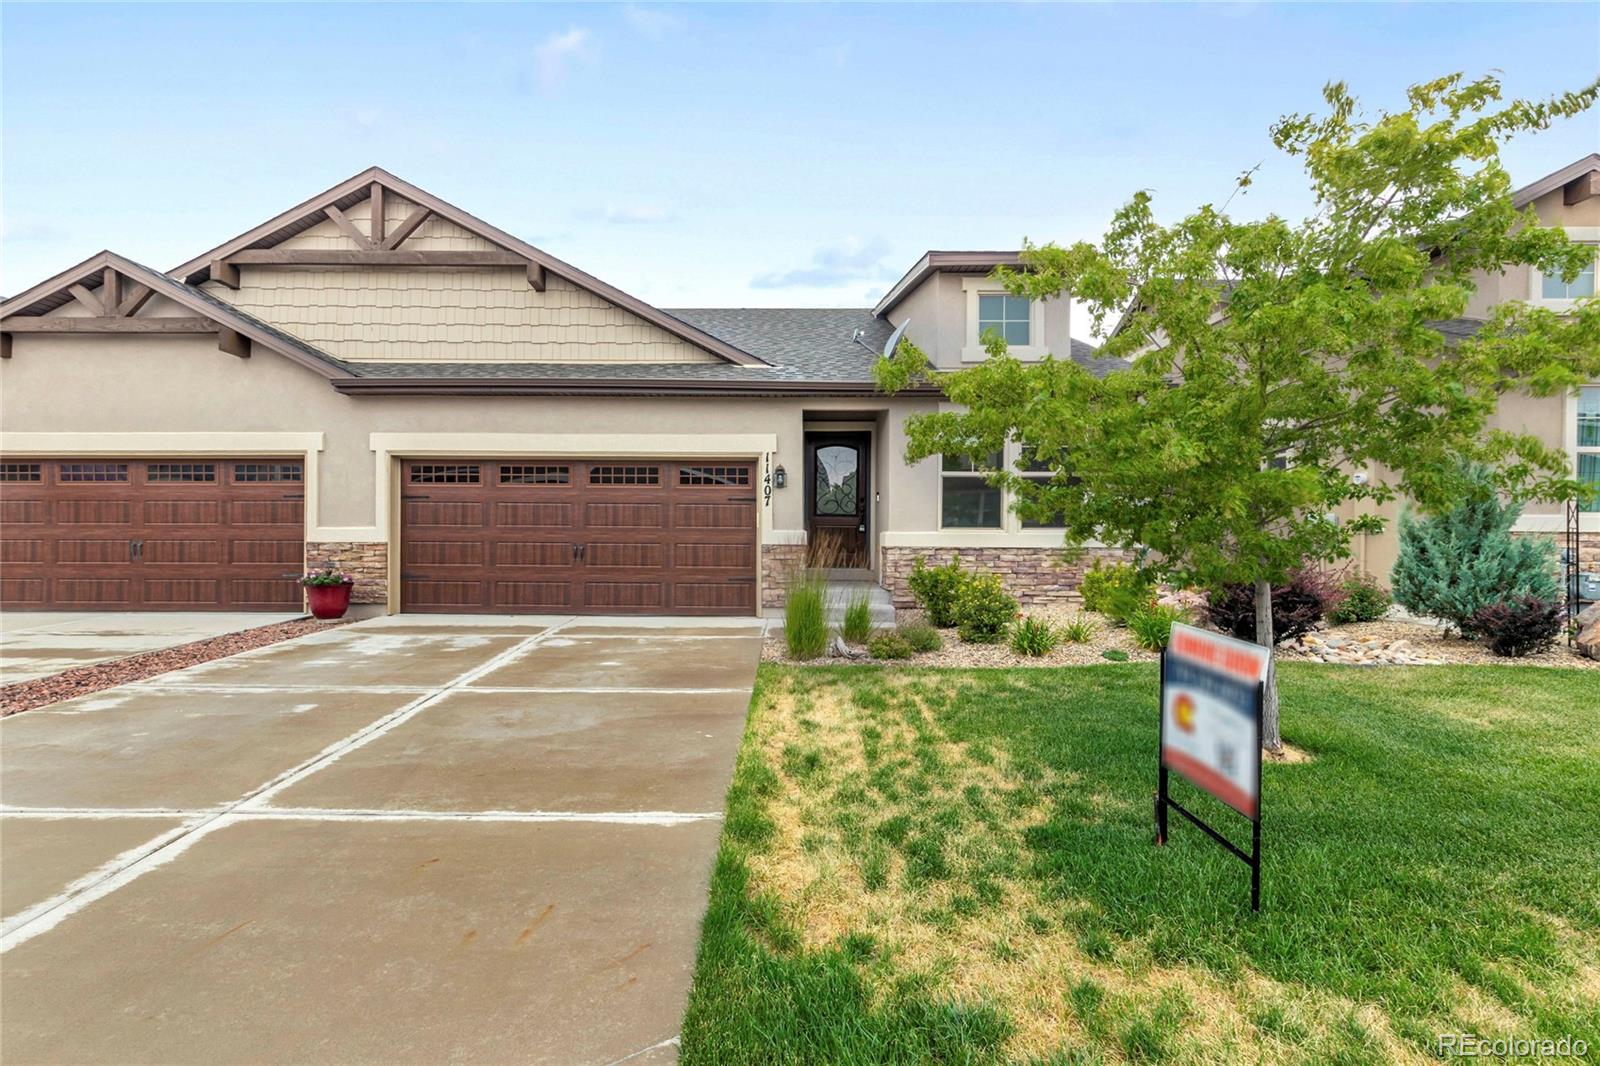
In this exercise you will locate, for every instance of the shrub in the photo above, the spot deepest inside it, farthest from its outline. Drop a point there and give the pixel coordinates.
(1297, 606)
(1364, 600)
(889, 646)
(1152, 627)
(921, 637)
(805, 615)
(857, 624)
(1078, 631)
(1454, 564)
(938, 588)
(984, 609)
(1117, 590)
(1520, 625)
(1033, 636)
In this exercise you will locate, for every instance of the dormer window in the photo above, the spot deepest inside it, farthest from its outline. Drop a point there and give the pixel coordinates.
(1011, 316)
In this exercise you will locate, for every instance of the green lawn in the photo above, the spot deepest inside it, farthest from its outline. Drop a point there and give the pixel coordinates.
(957, 866)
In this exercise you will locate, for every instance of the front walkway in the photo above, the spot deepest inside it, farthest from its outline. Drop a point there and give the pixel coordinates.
(481, 839)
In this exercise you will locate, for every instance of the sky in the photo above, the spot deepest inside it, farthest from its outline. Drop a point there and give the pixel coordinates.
(712, 156)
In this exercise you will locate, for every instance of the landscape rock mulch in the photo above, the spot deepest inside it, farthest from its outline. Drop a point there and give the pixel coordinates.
(82, 680)
(1391, 642)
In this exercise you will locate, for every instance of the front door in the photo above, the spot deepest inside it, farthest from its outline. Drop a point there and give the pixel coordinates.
(837, 495)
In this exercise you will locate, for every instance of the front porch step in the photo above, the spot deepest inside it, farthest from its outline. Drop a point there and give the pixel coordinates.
(840, 593)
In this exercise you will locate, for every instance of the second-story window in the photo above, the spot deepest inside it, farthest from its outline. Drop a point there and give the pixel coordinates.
(1005, 314)
(1589, 442)
(1554, 287)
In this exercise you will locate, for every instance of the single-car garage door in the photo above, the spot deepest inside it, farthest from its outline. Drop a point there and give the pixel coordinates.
(609, 536)
(151, 535)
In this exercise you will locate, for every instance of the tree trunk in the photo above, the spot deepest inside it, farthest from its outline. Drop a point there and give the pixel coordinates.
(1270, 738)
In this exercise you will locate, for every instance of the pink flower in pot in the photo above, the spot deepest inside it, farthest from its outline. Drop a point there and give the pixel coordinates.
(328, 592)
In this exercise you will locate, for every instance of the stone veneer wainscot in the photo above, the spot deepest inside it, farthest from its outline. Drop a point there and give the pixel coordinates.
(1035, 576)
(367, 561)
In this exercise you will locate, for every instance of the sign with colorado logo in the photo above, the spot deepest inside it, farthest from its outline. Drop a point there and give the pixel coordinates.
(1210, 714)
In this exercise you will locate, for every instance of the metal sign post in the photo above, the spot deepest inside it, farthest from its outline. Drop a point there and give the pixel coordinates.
(1212, 691)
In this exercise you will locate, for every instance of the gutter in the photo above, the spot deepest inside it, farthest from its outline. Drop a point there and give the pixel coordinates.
(614, 387)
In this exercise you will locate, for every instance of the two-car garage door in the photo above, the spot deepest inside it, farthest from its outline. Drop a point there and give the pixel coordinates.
(189, 534)
(644, 536)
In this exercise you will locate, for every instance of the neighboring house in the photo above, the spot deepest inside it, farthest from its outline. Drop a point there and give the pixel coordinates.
(377, 379)
(1569, 198)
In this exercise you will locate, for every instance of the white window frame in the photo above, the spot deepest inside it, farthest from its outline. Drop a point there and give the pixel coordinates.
(1589, 235)
(1577, 449)
(973, 351)
(1010, 521)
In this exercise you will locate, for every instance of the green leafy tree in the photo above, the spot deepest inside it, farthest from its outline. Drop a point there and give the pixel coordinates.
(1273, 357)
(1454, 564)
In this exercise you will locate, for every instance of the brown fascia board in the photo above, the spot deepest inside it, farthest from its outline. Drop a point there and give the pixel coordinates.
(354, 189)
(932, 263)
(614, 387)
(41, 298)
(1551, 182)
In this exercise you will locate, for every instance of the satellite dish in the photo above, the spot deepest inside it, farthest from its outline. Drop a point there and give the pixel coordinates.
(894, 339)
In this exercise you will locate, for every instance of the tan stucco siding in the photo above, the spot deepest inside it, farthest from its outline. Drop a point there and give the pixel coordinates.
(1582, 220)
(174, 385)
(939, 311)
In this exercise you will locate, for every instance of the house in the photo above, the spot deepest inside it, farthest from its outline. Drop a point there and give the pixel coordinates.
(1569, 198)
(379, 380)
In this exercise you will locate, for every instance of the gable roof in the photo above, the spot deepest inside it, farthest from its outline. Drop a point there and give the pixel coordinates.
(1551, 182)
(942, 262)
(55, 292)
(358, 188)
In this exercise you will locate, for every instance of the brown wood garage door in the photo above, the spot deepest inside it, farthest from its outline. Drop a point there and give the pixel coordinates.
(572, 536)
(151, 535)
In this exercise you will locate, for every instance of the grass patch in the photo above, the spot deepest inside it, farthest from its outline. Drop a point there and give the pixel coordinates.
(956, 867)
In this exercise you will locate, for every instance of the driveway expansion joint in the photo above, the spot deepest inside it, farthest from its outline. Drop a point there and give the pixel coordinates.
(121, 870)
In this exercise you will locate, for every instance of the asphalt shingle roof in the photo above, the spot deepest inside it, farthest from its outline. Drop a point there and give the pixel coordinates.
(802, 344)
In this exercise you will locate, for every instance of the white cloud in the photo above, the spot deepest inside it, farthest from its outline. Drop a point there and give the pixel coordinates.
(849, 260)
(652, 21)
(553, 54)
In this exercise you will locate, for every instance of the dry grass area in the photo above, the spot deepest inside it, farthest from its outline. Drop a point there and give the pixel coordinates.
(978, 926)
(955, 866)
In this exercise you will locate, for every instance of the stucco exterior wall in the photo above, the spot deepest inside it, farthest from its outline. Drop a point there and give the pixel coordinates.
(938, 311)
(183, 384)
(1582, 222)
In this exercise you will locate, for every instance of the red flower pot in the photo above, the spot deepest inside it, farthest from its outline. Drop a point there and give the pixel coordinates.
(328, 601)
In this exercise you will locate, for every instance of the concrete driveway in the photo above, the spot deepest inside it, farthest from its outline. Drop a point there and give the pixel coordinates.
(459, 840)
(39, 643)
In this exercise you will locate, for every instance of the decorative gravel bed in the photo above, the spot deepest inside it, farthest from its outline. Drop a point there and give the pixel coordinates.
(1391, 642)
(82, 680)
(955, 653)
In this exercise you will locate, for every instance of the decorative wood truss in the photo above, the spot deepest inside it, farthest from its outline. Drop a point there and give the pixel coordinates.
(377, 249)
(384, 246)
(114, 290)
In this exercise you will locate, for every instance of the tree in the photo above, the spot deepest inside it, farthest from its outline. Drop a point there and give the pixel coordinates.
(1454, 564)
(1273, 358)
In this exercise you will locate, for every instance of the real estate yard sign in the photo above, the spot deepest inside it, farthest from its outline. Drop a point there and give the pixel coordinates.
(1211, 692)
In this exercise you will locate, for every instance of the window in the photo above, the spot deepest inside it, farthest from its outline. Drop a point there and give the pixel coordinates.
(288, 472)
(534, 475)
(20, 472)
(168, 472)
(1589, 443)
(1007, 315)
(624, 475)
(1038, 470)
(444, 474)
(713, 475)
(968, 501)
(1555, 288)
(73, 472)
